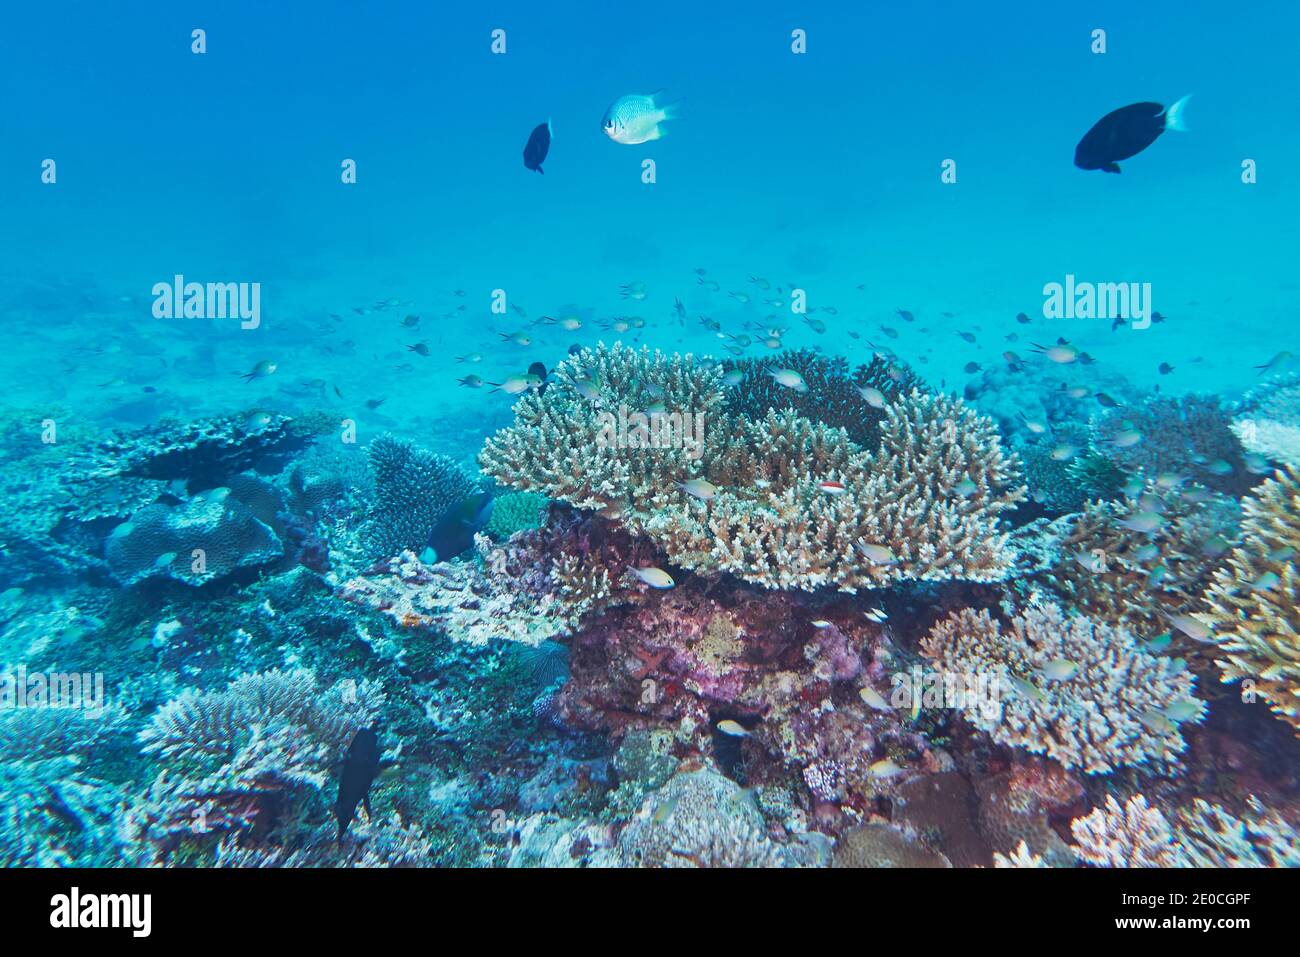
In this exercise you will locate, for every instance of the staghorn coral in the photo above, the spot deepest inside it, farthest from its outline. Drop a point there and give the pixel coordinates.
(414, 490)
(1199, 835)
(1212, 837)
(1253, 600)
(1136, 579)
(923, 506)
(833, 397)
(240, 754)
(1020, 857)
(372, 843)
(536, 587)
(1189, 435)
(1107, 714)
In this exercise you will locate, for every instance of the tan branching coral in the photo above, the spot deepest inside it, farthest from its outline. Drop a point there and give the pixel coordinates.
(1133, 835)
(1020, 857)
(1132, 579)
(923, 505)
(1199, 835)
(1083, 693)
(1254, 601)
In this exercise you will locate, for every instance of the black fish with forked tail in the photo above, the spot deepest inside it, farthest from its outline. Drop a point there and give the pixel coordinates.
(1126, 132)
(359, 770)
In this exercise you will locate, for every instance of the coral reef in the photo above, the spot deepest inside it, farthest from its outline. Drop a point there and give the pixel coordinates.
(700, 819)
(207, 537)
(1017, 808)
(414, 490)
(923, 506)
(57, 811)
(1189, 436)
(1083, 693)
(1252, 603)
(1202, 834)
(536, 587)
(686, 659)
(241, 754)
(1134, 563)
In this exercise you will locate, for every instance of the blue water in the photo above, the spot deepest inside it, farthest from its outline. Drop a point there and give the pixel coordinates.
(821, 171)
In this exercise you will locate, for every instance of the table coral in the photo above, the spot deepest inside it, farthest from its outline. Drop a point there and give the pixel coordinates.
(923, 505)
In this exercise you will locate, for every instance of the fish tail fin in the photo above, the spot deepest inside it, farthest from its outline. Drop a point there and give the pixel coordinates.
(1174, 115)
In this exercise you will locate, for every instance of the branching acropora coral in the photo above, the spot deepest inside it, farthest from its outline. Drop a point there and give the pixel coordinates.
(1082, 693)
(1133, 835)
(1254, 601)
(781, 501)
(1134, 563)
(1200, 835)
(266, 733)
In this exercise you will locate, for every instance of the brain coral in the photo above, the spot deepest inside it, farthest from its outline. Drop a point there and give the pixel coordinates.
(1253, 599)
(1105, 710)
(923, 505)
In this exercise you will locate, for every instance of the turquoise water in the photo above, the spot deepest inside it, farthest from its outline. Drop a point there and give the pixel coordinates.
(914, 157)
(821, 170)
